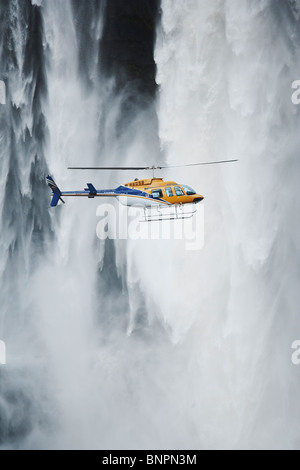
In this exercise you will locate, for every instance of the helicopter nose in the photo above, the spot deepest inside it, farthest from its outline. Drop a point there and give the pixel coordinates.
(198, 199)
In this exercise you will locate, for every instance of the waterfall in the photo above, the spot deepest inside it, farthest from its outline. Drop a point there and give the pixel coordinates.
(145, 344)
(25, 225)
(225, 71)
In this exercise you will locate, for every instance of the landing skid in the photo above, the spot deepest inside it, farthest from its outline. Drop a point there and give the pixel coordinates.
(174, 212)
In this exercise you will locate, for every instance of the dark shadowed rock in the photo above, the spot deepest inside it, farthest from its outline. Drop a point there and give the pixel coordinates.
(128, 42)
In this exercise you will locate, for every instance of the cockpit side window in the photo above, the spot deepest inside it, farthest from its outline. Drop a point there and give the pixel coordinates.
(157, 193)
(178, 191)
(169, 192)
(189, 191)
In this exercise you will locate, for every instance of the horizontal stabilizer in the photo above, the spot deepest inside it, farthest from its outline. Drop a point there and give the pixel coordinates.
(92, 188)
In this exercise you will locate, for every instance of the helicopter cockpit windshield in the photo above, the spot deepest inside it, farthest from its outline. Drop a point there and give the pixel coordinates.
(189, 191)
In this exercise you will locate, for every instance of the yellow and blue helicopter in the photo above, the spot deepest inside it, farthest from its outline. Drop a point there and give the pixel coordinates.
(146, 193)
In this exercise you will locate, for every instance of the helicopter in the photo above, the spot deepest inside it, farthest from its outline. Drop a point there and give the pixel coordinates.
(146, 193)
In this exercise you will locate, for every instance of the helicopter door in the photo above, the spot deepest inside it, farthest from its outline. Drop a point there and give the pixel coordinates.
(178, 191)
(157, 193)
(169, 192)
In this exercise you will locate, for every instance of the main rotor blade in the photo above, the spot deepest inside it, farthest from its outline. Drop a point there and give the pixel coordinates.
(198, 164)
(134, 168)
(112, 168)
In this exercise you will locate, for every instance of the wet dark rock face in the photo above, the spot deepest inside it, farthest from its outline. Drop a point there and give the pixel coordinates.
(128, 42)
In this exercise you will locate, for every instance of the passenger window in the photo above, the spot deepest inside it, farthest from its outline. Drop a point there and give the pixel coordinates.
(169, 192)
(157, 193)
(178, 191)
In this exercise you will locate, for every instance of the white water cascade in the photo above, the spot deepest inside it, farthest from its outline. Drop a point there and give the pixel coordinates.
(145, 344)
